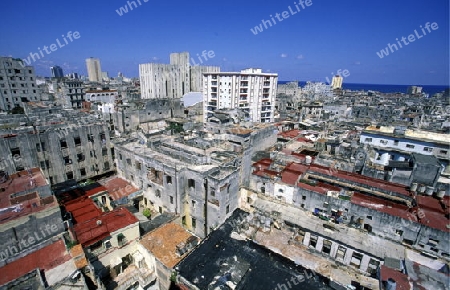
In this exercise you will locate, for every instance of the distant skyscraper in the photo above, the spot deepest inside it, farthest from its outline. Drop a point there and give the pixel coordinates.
(336, 82)
(57, 71)
(181, 59)
(94, 69)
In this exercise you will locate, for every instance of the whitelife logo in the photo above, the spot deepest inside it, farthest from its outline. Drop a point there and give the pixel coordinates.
(53, 47)
(31, 239)
(124, 9)
(284, 15)
(411, 38)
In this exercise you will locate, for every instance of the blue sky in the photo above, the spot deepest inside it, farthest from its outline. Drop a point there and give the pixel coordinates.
(309, 45)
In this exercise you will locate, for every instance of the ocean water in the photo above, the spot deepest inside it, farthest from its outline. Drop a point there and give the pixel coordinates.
(431, 90)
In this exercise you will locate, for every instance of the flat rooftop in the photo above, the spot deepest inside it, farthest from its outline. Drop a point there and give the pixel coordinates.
(435, 212)
(163, 243)
(222, 260)
(19, 195)
(118, 187)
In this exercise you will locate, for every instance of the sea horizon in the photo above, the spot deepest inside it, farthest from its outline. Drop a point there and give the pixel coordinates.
(385, 88)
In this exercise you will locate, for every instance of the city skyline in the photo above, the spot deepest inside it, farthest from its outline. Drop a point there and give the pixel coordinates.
(299, 40)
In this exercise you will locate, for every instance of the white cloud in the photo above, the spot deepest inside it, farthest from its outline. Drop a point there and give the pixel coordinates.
(283, 55)
(358, 63)
(300, 56)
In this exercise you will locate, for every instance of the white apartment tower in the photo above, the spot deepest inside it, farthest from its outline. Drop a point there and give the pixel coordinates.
(336, 82)
(17, 83)
(250, 90)
(94, 69)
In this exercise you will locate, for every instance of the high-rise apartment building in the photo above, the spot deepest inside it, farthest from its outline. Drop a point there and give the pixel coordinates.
(57, 72)
(94, 69)
(159, 81)
(17, 83)
(181, 59)
(197, 76)
(336, 82)
(250, 90)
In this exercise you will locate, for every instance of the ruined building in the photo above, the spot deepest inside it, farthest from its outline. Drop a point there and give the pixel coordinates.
(17, 83)
(189, 176)
(67, 145)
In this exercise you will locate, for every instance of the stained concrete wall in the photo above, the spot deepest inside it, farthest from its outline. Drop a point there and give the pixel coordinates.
(203, 194)
(91, 156)
(29, 233)
(143, 112)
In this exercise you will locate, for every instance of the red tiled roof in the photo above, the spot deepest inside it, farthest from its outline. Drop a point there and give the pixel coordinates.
(118, 187)
(290, 134)
(400, 278)
(291, 172)
(95, 190)
(361, 179)
(94, 230)
(83, 209)
(303, 139)
(45, 259)
(312, 188)
(383, 205)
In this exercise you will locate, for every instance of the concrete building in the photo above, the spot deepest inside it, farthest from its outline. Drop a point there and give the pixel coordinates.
(29, 217)
(104, 100)
(227, 260)
(56, 71)
(190, 176)
(67, 145)
(161, 81)
(73, 91)
(108, 236)
(397, 143)
(336, 82)
(181, 60)
(317, 91)
(165, 247)
(172, 80)
(94, 70)
(17, 84)
(395, 215)
(289, 89)
(250, 90)
(414, 90)
(197, 72)
(148, 115)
